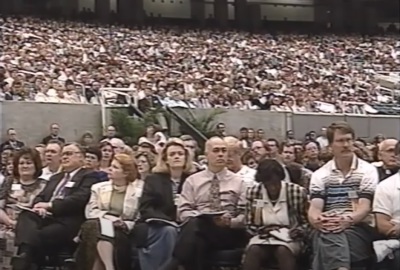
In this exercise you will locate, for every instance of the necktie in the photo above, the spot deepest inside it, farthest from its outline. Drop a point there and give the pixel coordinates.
(215, 200)
(61, 187)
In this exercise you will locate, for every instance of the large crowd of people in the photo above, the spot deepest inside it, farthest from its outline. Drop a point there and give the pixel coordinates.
(54, 61)
(331, 201)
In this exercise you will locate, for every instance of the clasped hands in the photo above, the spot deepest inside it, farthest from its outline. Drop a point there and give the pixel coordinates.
(294, 233)
(332, 223)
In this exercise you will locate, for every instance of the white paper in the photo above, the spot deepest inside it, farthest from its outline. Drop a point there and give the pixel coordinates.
(107, 227)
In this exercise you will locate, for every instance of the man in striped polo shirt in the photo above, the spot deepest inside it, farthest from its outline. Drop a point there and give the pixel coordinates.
(341, 194)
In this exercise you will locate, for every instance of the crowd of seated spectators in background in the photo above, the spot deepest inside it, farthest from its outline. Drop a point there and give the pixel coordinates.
(69, 62)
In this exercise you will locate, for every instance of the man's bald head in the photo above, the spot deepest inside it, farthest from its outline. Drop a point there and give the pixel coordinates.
(217, 153)
(210, 143)
(387, 144)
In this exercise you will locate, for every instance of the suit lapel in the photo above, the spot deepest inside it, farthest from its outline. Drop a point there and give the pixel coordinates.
(133, 193)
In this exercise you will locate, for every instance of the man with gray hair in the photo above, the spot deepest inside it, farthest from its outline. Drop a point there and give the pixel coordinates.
(388, 164)
(234, 162)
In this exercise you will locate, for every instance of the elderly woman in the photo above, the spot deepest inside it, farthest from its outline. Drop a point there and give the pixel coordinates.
(156, 239)
(276, 218)
(17, 191)
(115, 200)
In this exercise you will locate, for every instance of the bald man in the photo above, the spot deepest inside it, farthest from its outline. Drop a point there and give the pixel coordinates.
(389, 164)
(214, 190)
(234, 163)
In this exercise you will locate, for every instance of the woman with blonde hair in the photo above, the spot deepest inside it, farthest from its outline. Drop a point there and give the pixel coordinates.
(155, 236)
(116, 200)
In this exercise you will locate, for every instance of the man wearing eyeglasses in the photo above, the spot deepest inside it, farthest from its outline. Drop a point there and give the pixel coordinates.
(58, 211)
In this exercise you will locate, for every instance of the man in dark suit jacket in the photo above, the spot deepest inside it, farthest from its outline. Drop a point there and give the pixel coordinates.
(57, 213)
(12, 142)
(54, 135)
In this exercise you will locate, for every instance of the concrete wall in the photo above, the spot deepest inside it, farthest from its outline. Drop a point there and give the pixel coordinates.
(32, 120)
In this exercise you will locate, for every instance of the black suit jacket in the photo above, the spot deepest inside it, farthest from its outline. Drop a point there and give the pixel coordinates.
(18, 145)
(156, 202)
(49, 138)
(69, 211)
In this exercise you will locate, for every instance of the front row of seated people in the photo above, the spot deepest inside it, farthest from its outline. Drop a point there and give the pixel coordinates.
(175, 218)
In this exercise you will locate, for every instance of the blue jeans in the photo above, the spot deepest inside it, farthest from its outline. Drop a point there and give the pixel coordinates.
(160, 245)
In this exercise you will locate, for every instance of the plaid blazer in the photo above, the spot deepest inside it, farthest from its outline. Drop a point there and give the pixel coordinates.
(297, 207)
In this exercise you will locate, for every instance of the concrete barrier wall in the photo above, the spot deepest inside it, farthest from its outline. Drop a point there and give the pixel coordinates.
(32, 121)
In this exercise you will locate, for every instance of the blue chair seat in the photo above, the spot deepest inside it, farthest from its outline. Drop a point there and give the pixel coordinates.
(226, 258)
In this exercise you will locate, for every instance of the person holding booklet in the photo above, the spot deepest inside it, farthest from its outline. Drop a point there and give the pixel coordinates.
(57, 213)
(211, 207)
(20, 189)
(156, 233)
(114, 202)
(276, 218)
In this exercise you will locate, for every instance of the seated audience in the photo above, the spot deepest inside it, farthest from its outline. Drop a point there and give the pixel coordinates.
(217, 190)
(57, 213)
(388, 165)
(54, 135)
(52, 155)
(274, 207)
(156, 239)
(387, 213)
(18, 190)
(145, 162)
(234, 162)
(341, 194)
(92, 161)
(118, 201)
(311, 151)
(107, 153)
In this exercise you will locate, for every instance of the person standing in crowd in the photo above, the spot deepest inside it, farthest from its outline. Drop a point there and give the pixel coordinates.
(111, 132)
(234, 162)
(116, 200)
(322, 140)
(274, 206)
(213, 189)
(341, 194)
(386, 208)
(92, 162)
(87, 139)
(57, 213)
(54, 135)
(156, 239)
(52, 154)
(389, 164)
(20, 189)
(12, 141)
(221, 130)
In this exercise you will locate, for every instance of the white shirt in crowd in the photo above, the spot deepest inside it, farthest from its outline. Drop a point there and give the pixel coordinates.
(247, 174)
(387, 202)
(323, 141)
(46, 173)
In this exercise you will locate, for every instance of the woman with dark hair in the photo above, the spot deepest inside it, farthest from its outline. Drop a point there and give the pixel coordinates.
(19, 189)
(276, 217)
(107, 154)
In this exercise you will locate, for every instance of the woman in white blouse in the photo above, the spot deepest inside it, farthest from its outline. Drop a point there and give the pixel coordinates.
(115, 200)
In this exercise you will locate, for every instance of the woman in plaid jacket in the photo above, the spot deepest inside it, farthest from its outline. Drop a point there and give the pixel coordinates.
(276, 214)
